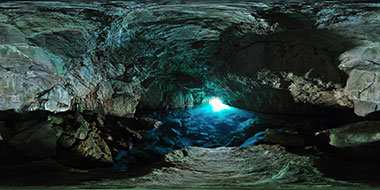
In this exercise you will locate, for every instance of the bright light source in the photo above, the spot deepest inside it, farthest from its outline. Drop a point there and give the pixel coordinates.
(217, 105)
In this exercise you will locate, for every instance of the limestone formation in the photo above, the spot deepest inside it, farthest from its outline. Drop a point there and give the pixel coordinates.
(116, 58)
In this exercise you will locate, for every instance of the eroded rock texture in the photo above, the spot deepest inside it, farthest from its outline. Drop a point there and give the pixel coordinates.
(112, 57)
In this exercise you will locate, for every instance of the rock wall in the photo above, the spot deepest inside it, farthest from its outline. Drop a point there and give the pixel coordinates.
(116, 57)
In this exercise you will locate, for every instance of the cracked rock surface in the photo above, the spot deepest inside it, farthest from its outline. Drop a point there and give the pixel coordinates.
(116, 57)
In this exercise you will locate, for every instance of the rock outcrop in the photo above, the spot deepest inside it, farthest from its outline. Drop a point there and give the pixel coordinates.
(363, 65)
(113, 57)
(362, 61)
(72, 139)
(359, 140)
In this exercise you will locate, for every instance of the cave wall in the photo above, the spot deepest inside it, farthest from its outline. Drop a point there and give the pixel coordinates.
(114, 58)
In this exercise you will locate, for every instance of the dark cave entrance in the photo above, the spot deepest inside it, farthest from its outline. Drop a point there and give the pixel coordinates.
(202, 126)
(130, 142)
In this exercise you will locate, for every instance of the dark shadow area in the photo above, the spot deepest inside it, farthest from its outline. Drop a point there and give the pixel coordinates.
(137, 142)
(299, 51)
(348, 168)
(300, 48)
(374, 115)
(45, 173)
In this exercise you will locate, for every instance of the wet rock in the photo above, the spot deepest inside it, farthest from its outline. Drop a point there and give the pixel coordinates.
(285, 138)
(254, 140)
(37, 142)
(91, 152)
(353, 135)
(353, 141)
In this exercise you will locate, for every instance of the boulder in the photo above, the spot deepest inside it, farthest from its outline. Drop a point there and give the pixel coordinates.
(37, 142)
(353, 141)
(362, 87)
(353, 135)
(363, 66)
(91, 152)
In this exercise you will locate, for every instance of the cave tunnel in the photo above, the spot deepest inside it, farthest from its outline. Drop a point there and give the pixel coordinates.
(168, 94)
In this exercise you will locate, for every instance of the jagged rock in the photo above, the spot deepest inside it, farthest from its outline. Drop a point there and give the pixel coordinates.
(363, 66)
(360, 62)
(82, 132)
(353, 135)
(91, 152)
(353, 141)
(361, 86)
(37, 142)
(103, 60)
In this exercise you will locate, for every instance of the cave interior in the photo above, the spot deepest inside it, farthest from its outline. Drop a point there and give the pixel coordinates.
(203, 94)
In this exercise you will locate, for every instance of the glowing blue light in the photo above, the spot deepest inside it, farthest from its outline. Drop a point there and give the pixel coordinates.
(217, 105)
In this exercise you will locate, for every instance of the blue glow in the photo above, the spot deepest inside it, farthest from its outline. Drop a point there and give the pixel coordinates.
(217, 105)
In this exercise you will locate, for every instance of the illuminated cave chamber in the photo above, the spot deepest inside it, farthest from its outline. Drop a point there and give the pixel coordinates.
(121, 84)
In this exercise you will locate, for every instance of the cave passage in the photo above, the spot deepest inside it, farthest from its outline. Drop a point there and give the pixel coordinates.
(203, 126)
(192, 94)
(199, 126)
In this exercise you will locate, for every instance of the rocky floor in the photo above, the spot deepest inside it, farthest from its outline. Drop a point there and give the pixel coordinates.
(258, 167)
